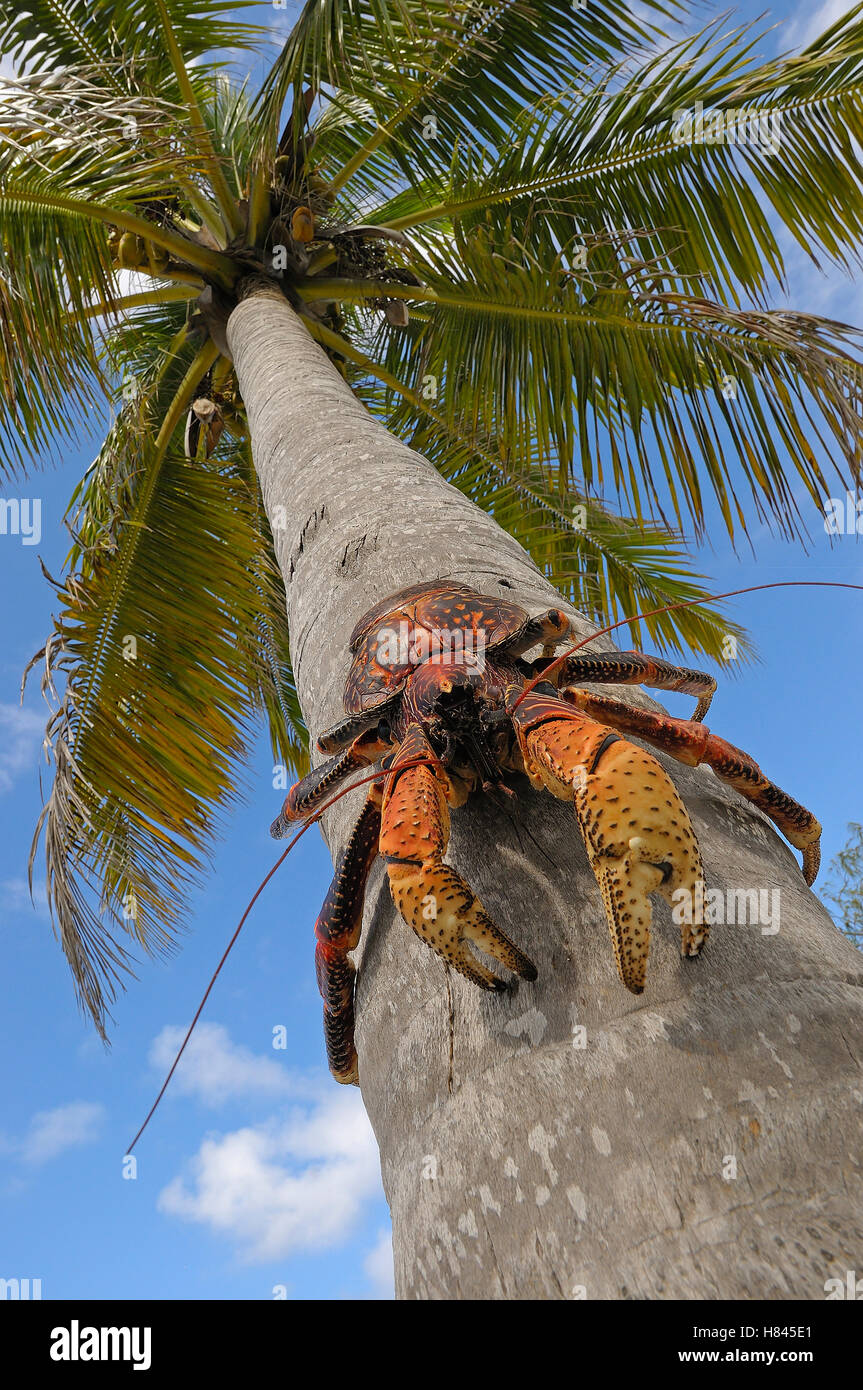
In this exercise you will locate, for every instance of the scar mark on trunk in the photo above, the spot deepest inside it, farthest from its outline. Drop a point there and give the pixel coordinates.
(518, 829)
(317, 518)
(350, 564)
(449, 1080)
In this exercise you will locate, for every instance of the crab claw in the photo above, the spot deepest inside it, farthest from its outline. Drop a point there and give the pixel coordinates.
(430, 896)
(636, 830)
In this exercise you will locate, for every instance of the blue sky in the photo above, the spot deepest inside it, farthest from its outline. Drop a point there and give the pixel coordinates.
(258, 1173)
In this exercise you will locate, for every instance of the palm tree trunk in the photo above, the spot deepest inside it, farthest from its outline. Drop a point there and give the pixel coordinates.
(570, 1140)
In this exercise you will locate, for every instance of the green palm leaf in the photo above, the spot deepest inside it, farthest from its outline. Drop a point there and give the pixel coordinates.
(608, 155)
(164, 669)
(116, 38)
(549, 358)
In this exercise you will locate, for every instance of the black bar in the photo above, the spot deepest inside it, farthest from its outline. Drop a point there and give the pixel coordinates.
(227, 1338)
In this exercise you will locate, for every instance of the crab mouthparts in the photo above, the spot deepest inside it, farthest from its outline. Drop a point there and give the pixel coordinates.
(456, 703)
(482, 759)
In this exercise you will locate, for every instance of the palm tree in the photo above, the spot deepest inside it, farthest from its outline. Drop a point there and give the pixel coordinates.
(411, 311)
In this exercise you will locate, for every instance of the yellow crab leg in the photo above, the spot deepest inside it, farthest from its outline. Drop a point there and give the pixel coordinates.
(692, 743)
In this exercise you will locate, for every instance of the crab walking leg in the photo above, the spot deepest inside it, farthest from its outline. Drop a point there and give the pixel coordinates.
(636, 830)
(551, 628)
(431, 897)
(633, 668)
(692, 743)
(312, 790)
(338, 931)
(340, 735)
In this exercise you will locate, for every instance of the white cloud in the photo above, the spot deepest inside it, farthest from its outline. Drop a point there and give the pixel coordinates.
(15, 898)
(52, 1132)
(807, 24)
(282, 1187)
(378, 1266)
(20, 734)
(214, 1069)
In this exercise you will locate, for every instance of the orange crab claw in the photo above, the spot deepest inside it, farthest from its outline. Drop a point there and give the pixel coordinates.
(636, 830)
(431, 897)
(691, 742)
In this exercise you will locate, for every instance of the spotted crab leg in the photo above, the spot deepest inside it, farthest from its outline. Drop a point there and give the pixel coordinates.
(337, 930)
(633, 668)
(431, 897)
(636, 830)
(690, 742)
(312, 791)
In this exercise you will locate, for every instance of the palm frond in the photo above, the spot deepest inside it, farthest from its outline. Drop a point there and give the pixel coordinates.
(568, 361)
(168, 642)
(115, 38)
(60, 198)
(615, 152)
(460, 68)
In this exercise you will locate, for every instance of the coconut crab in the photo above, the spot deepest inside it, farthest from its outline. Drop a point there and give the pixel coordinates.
(440, 696)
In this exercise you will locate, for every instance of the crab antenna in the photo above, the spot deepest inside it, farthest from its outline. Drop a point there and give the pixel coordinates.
(684, 603)
(372, 777)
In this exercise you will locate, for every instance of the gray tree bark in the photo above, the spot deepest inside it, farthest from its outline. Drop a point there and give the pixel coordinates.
(569, 1140)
